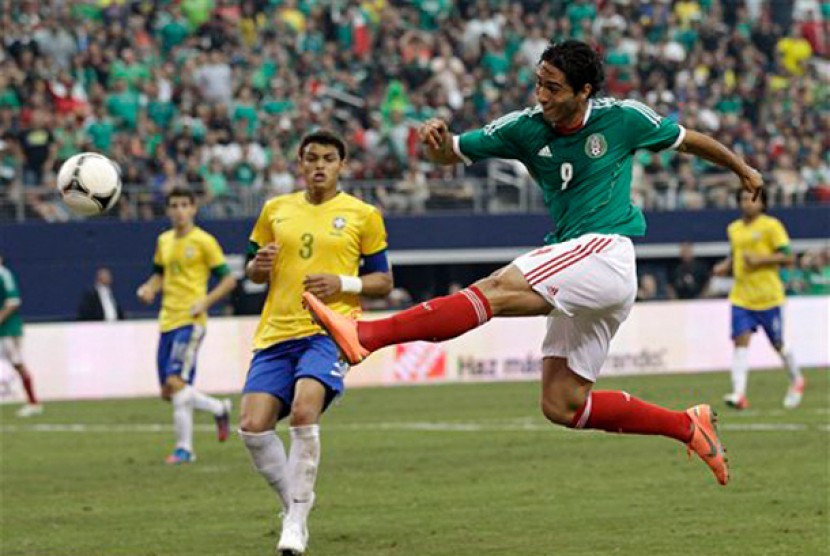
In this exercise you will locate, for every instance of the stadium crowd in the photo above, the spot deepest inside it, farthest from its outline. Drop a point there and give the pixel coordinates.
(216, 93)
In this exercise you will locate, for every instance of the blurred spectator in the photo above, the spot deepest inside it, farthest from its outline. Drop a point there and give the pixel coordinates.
(278, 179)
(810, 275)
(247, 298)
(648, 289)
(398, 298)
(38, 148)
(99, 303)
(454, 287)
(689, 278)
(795, 50)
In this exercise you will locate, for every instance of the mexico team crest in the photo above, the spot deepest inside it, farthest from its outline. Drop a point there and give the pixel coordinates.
(596, 145)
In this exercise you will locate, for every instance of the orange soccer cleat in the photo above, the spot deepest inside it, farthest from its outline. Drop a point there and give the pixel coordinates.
(736, 401)
(705, 442)
(342, 329)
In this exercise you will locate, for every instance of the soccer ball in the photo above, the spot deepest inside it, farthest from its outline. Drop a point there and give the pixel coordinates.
(89, 183)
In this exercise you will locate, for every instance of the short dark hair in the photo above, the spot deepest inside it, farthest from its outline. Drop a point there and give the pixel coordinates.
(181, 192)
(763, 196)
(324, 137)
(579, 62)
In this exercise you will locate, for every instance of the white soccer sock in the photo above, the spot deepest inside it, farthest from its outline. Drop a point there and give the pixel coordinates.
(740, 370)
(203, 402)
(303, 460)
(788, 357)
(183, 419)
(268, 457)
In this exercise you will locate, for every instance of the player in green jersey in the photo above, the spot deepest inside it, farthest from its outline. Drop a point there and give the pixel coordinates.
(11, 334)
(579, 149)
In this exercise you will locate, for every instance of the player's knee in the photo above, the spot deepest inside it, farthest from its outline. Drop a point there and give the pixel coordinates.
(255, 423)
(558, 412)
(304, 413)
(491, 286)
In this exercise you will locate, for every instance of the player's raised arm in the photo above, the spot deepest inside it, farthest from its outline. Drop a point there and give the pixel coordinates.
(716, 152)
(437, 140)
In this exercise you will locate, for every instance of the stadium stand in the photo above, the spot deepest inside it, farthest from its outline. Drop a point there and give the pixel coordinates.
(215, 94)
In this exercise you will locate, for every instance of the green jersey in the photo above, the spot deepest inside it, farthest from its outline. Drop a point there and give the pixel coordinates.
(13, 325)
(585, 176)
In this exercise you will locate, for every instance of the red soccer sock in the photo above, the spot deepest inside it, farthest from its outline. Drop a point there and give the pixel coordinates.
(615, 411)
(435, 320)
(30, 389)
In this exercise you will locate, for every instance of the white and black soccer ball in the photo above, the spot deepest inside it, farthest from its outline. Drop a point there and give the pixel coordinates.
(89, 183)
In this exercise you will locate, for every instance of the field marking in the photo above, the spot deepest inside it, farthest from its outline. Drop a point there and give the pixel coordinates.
(403, 426)
(745, 413)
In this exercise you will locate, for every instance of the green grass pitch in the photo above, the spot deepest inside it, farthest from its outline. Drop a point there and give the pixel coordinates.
(461, 470)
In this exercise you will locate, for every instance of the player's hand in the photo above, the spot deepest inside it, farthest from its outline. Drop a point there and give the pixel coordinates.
(322, 285)
(752, 181)
(721, 269)
(198, 308)
(146, 294)
(751, 261)
(264, 259)
(434, 133)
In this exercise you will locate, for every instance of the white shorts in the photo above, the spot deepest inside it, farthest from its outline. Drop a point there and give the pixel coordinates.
(591, 281)
(10, 349)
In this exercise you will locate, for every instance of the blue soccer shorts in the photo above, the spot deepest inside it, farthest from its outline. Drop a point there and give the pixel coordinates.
(275, 369)
(177, 352)
(747, 320)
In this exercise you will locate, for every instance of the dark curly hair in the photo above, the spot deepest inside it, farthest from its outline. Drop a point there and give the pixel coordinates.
(324, 137)
(763, 197)
(179, 192)
(579, 62)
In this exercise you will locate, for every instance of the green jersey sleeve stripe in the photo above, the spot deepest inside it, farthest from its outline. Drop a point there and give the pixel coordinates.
(220, 271)
(250, 252)
(643, 110)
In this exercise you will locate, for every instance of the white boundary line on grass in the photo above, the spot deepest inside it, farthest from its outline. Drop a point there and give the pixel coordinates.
(416, 426)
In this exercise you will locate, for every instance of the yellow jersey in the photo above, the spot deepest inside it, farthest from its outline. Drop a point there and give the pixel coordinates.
(329, 238)
(760, 288)
(185, 264)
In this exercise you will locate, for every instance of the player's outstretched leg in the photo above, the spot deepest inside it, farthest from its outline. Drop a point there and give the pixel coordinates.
(706, 443)
(220, 409)
(435, 320)
(620, 412)
(223, 420)
(567, 400)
